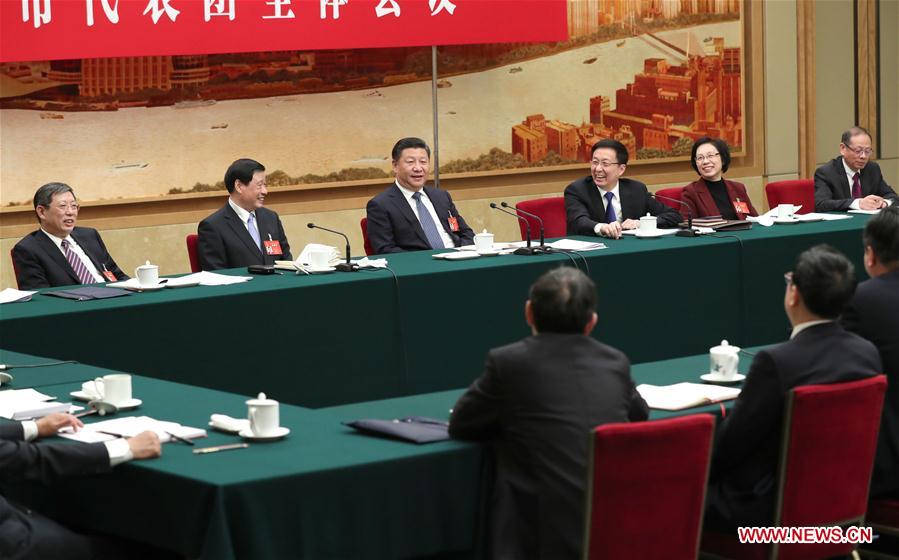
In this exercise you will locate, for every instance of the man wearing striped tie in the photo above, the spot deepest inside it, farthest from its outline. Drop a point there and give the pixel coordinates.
(59, 253)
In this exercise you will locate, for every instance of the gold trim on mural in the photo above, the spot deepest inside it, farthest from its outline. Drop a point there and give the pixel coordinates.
(805, 51)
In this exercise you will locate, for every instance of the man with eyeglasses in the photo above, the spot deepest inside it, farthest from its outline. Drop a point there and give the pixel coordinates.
(59, 253)
(605, 204)
(852, 181)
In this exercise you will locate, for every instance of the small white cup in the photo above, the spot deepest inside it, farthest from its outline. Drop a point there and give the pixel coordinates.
(724, 359)
(263, 415)
(648, 223)
(784, 211)
(147, 274)
(114, 388)
(483, 242)
(319, 258)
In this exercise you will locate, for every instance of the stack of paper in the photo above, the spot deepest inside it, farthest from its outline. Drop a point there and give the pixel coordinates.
(684, 395)
(10, 295)
(20, 404)
(130, 426)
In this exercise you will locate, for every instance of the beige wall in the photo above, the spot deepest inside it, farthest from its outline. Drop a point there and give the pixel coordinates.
(889, 85)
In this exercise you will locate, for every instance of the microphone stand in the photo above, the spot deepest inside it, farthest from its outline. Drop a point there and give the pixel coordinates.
(542, 247)
(689, 232)
(347, 266)
(527, 250)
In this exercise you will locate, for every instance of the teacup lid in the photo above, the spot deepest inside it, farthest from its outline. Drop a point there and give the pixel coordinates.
(725, 347)
(261, 400)
(485, 232)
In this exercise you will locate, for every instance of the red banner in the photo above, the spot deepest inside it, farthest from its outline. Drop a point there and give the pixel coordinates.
(72, 29)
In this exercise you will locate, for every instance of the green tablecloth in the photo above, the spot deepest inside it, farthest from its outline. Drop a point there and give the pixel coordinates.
(323, 492)
(325, 340)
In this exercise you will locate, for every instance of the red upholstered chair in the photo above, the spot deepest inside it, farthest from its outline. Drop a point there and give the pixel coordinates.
(363, 223)
(827, 453)
(646, 488)
(192, 254)
(677, 193)
(15, 269)
(799, 191)
(551, 210)
(883, 517)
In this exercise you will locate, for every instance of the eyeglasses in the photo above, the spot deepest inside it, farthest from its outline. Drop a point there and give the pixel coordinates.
(63, 207)
(710, 157)
(860, 151)
(605, 164)
(788, 278)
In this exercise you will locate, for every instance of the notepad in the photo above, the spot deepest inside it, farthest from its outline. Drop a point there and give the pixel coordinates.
(685, 395)
(130, 426)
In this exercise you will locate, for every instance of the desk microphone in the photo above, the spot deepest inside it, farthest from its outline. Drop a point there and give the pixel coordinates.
(348, 266)
(528, 250)
(689, 232)
(542, 245)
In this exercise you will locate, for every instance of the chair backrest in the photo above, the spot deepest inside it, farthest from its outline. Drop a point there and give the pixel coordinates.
(830, 438)
(192, 254)
(363, 224)
(677, 193)
(551, 210)
(647, 477)
(797, 191)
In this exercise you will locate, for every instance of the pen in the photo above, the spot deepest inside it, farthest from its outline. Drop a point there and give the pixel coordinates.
(204, 450)
(179, 438)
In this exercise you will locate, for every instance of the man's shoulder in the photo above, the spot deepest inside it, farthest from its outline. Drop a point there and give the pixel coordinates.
(79, 231)
(388, 193)
(218, 215)
(433, 192)
(30, 240)
(631, 184)
(580, 184)
(266, 212)
(575, 343)
(830, 168)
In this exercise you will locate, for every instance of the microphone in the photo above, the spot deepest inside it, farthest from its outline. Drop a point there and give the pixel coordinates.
(342, 267)
(689, 232)
(542, 245)
(528, 250)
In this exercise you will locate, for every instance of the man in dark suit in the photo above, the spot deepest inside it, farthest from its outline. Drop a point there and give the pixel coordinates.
(60, 254)
(605, 204)
(537, 401)
(25, 534)
(243, 232)
(409, 216)
(874, 314)
(743, 478)
(851, 182)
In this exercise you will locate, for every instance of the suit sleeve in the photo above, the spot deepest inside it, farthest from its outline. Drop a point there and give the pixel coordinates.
(30, 275)
(824, 191)
(380, 229)
(667, 217)
(210, 247)
(466, 235)
(476, 415)
(577, 210)
(48, 461)
(282, 238)
(11, 430)
(753, 418)
(689, 197)
(107, 261)
(884, 190)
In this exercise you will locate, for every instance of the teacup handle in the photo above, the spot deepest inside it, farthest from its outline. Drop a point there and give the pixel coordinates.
(252, 415)
(98, 386)
(732, 361)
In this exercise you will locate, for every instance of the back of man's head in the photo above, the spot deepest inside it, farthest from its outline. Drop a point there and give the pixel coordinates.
(825, 279)
(882, 236)
(563, 301)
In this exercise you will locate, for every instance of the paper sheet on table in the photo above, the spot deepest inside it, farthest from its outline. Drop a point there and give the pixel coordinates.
(575, 245)
(19, 404)
(684, 395)
(130, 426)
(10, 295)
(212, 279)
(812, 216)
(659, 232)
(860, 211)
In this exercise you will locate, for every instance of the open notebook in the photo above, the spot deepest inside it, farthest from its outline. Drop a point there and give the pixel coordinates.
(129, 426)
(685, 395)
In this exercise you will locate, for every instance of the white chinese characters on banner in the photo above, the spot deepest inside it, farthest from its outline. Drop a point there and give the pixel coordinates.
(335, 8)
(439, 5)
(42, 15)
(382, 9)
(160, 7)
(279, 6)
(112, 13)
(215, 8)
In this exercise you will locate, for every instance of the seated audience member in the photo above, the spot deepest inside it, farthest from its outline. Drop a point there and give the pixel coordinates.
(873, 314)
(712, 194)
(61, 254)
(243, 232)
(537, 401)
(743, 477)
(605, 204)
(26, 534)
(851, 181)
(410, 216)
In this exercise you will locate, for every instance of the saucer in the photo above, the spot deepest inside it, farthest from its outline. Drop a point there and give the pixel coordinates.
(280, 433)
(786, 221)
(457, 256)
(5, 378)
(127, 405)
(718, 378)
(130, 404)
(325, 270)
(488, 253)
(220, 428)
(176, 285)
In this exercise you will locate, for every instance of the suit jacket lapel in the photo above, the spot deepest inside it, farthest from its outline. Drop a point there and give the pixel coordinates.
(595, 200)
(400, 202)
(631, 207)
(841, 177)
(50, 248)
(235, 223)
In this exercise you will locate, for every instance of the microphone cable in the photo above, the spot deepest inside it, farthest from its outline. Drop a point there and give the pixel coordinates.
(7, 367)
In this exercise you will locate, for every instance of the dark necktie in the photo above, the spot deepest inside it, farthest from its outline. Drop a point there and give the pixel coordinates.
(856, 186)
(81, 271)
(610, 210)
(427, 223)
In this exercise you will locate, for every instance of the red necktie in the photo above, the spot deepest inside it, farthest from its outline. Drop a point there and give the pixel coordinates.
(856, 186)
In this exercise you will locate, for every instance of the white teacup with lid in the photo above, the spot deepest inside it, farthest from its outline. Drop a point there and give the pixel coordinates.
(263, 415)
(724, 360)
(648, 223)
(147, 275)
(483, 242)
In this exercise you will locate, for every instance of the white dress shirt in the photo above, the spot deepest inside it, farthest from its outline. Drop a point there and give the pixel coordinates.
(118, 449)
(438, 221)
(616, 204)
(245, 217)
(79, 252)
(802, 326)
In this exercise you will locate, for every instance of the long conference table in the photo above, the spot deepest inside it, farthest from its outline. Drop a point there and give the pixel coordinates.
(323, 492)
(425, 325)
